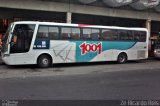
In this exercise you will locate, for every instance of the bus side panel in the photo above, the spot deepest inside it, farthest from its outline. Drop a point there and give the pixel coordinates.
(112, 49)
(87, 51)
(63, 51)
(139, 51)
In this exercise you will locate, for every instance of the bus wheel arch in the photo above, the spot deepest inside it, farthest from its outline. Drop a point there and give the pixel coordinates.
(122, 58)
(44, 60)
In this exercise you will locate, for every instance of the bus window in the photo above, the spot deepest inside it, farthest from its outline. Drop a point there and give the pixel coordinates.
(75, 33)
(106, 34)
(21, 38)
(65, 33)
(53, 33)
(42, 32)
(95, 34)
(140, 36)
(130, 35)
(86, 33)
(137, 35)
(115, 35)
(143, 36)
(123, 35)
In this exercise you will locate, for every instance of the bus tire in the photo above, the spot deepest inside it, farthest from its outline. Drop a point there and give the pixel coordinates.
(122, 58)
(44, 61)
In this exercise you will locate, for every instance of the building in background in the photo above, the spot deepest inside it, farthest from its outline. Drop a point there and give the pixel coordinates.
(125, 13)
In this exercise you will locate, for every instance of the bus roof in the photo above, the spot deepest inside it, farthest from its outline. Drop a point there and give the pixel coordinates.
(79, 25)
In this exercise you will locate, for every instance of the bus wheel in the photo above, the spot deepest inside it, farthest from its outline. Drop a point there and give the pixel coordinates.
(122, 58)
(44, 61)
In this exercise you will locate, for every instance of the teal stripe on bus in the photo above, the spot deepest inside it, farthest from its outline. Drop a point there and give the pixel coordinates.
(89, 54)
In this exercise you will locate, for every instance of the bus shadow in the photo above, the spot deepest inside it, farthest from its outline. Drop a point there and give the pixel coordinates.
(65, 65)
(89, 64)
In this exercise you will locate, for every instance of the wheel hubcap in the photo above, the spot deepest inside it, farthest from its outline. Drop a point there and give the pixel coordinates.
(45, 61)
(122, 58)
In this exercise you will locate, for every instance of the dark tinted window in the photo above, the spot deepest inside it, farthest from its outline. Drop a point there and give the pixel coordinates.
(106, 34)
(75, 33)
(115, 35)
(70, 33)
(43, 32)
(53, 33)
(65, 33)
(130, 35)
(92, 34)
(143, 36)
(125, 35)
(22, 38)
(86, 34)
(140, 36)
(48, 32)
(95, 34)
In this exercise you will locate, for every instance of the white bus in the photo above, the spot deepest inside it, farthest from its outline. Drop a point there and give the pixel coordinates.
(45, 43)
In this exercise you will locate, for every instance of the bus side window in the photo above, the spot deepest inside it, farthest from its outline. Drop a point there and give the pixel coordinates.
(42, 32)
(123, 35)
(86, 35)
(137, 35)
(130, 35)
(95, 34)
(75, 33)
(65, 33)
(115, 35)
(106, 34)
(143, 36)
(53, 33)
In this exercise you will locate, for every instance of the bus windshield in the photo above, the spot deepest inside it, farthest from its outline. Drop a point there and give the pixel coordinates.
(21, 38)
(6, 38)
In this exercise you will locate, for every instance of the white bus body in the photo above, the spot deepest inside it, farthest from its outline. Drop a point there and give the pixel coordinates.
(44, 43)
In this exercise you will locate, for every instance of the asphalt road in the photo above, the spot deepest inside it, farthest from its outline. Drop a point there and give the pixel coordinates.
(117, 85)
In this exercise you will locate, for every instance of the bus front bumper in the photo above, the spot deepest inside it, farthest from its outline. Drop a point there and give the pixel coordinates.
(6, 59)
